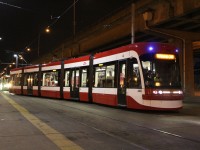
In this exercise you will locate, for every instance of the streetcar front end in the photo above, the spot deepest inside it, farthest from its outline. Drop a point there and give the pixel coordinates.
(161, 78)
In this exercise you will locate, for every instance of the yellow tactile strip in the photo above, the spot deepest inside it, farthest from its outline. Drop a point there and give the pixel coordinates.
(57, 138)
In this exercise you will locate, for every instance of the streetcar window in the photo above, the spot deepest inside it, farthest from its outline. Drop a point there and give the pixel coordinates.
(122, 76)
(160, 72)
(50, 78)
(17, 79)
(67, 78)
(30, 80)
(84, 78)
(25, 79)
(100, 76)
(76, 79)
(104, 76)
(35, 79)
(110, 72)
(72, 79)
(133, 74)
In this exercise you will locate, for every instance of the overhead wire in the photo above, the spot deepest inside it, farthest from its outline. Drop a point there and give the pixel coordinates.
(54, 22)
(63, 13)
(50, 25)
(15, 6)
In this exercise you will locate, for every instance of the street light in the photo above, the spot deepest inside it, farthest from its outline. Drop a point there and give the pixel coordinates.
(47, 30)
(28, 49)
(16, 57)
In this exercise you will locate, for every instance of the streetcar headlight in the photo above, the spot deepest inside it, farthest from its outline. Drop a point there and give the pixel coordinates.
(167, 92)
(160, 92)
(178, 92)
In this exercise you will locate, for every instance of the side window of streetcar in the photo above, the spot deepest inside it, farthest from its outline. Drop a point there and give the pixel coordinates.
(35, 79)
(84, 79)
(100, 76)
(50, 78)
(25, 79)
(17, 79)
(110, 73)
(105, 76)
(134, 74)
(67, 78)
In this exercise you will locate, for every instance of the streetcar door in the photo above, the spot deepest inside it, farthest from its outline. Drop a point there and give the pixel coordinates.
(75, 79)
(30, 85)
(121, 91)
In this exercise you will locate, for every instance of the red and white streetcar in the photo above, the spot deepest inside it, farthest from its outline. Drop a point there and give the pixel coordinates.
(137, 76)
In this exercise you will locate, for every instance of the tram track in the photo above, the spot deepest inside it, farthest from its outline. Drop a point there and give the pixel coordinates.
(65, 107)
(130, 123)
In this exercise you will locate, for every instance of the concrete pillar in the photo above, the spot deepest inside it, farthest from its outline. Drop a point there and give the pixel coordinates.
(189, 68)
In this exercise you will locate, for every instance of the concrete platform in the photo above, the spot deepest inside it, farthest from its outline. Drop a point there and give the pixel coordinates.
(48, 124)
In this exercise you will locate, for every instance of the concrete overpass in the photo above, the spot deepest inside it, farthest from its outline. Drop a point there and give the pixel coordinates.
(173, 21)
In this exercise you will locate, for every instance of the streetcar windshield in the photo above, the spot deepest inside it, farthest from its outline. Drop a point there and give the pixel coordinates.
(161, 70)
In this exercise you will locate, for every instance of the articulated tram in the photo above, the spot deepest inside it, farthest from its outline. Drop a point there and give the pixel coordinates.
(137, 76)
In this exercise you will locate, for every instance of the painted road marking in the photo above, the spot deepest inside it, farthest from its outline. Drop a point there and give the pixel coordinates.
(57, 138)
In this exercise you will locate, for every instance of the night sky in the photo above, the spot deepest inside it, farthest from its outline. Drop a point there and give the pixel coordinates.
(23, 20)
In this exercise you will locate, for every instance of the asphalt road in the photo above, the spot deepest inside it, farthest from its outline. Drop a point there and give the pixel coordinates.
(30, 123)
